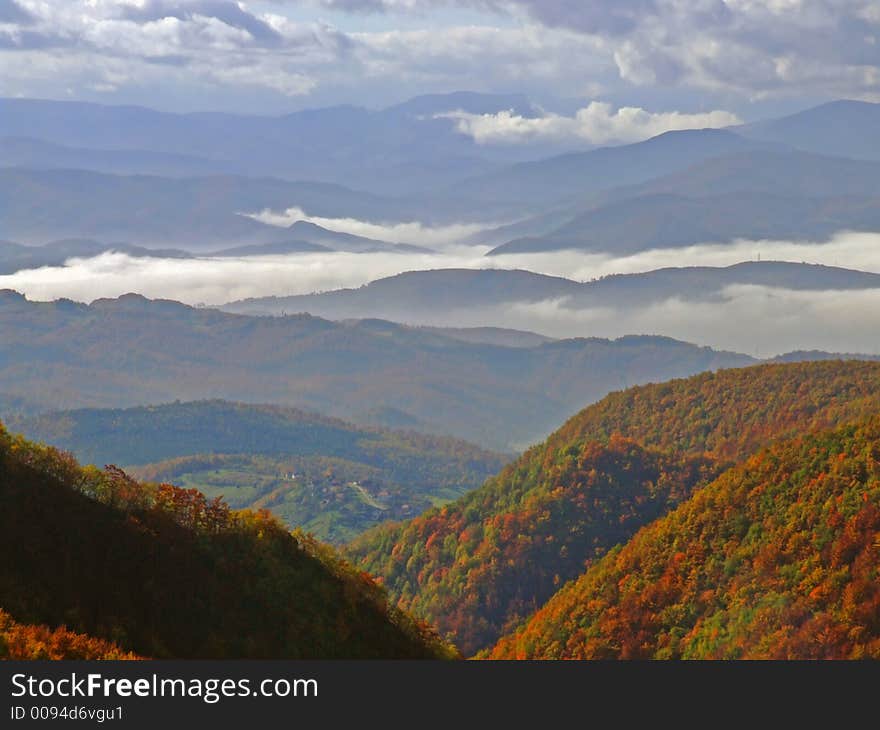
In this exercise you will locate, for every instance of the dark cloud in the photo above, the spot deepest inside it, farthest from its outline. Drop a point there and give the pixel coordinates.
(226, 12)
(604, 18)
(12, 12)
(669, 53)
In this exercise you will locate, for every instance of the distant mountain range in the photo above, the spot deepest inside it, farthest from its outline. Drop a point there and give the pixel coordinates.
(301, 237)
(395, 150)
(764, 194)
(445, 296)
(15, 257)
(164, 180)
(131, 351)
(841, 128)
(571, 177)
(669, 221)
(797, 141)
(38, 206)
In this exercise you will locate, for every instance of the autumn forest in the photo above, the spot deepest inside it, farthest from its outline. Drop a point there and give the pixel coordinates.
(408, 348)
(729, 515)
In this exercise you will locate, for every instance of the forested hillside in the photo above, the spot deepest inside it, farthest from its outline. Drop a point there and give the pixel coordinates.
(732, 413)
(777, 559)
(165, 572)
(329, 477)
(480, 565)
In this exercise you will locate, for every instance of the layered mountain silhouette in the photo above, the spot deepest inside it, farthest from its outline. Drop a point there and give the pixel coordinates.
(130, 351)
(796, 177)
(398, 149)
(764, 194)
(449, 295)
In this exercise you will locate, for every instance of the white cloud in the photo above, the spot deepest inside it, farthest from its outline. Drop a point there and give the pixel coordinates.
(206, 42)
(736, 48)
(598, 123)
(220, 280)
(755, 320)
(508, 57)
(748, 48)
(851, 250)
(412, 232)
(759, 321)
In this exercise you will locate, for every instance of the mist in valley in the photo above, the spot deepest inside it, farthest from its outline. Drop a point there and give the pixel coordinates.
(758, 320)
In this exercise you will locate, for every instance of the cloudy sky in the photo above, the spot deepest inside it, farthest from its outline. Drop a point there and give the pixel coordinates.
(582, 61)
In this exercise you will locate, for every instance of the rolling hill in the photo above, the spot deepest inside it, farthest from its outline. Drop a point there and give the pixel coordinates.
(481, 296)
(37, 154)
(132, 351)
(326, 476)
(478, 567)
(777, 559)
(424, 297)
(186, 577)
(305, 237)
(785, 173)
(336, 241)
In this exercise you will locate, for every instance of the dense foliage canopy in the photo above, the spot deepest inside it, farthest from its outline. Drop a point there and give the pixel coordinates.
(477, 567)
(777, 559)
(165, 572)
(31, 642)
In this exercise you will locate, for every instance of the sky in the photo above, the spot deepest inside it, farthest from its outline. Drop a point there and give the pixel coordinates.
(735, 59)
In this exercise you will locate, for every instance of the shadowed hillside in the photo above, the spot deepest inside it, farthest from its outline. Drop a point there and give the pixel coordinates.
(166, 573)
(326, 476)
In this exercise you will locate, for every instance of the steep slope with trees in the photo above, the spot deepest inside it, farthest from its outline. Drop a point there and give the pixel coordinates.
(166, 573)
(777, 559)
(478, 566)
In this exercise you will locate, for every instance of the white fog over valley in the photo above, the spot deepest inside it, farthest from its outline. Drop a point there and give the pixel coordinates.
(758, 320)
